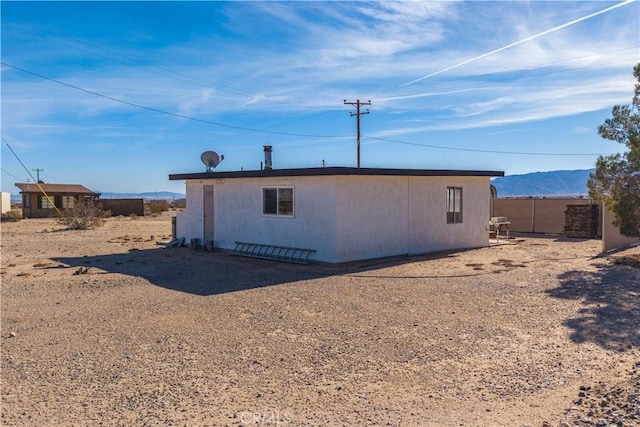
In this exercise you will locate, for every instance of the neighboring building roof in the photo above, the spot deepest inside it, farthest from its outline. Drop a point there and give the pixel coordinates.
(32, 187)
(331, 171)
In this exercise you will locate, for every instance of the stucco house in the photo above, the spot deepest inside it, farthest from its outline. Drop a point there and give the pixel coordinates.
(342, 213)
(40, 200)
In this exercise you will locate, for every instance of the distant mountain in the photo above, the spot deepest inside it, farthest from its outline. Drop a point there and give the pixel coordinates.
(161, 195)
(553, 183)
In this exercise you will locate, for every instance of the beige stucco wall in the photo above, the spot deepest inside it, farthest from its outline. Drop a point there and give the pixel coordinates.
(189, 223)
(344, 218)
(519, 212)
(371, 217)
(428, 226)
(535, 215)
(238, 214)
(5, 202)
(611, 237)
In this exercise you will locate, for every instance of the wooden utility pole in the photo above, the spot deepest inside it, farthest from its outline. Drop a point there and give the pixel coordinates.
(37, 171)
(357, 104)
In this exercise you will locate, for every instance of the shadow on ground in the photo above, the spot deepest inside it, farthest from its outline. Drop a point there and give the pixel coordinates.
(210, 273)
(194, 272)
(611, 295)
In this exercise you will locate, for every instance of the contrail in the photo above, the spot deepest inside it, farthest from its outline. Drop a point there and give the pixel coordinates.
(544, 33)
(423, 95)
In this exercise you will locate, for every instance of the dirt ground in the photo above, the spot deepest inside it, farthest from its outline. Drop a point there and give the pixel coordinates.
(108, 327)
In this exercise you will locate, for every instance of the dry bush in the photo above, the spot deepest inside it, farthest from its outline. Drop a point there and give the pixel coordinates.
(83, 216)
(158, 206)
(12, 216)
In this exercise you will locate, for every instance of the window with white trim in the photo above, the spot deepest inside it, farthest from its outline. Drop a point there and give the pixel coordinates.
(277, 201)
(454, 205)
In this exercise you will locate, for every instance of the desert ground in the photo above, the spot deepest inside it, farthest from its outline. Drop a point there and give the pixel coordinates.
(110, 327)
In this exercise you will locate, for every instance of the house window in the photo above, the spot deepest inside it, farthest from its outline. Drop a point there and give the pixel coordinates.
(277, 201)
(45, 202)
(68, 202)
(454, 205)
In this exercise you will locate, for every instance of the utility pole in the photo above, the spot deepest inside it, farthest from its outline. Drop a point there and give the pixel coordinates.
(37, 171)
(357, 104)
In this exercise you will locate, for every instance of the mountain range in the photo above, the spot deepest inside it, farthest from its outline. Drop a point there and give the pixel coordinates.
(160, 195)
(553, 183)
(535, 184)
(151, 195)
(542, 184)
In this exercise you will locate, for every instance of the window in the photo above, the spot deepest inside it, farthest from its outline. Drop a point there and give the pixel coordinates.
(68, 202)
(277, 201)
(45, 202)
(60, 202)
(454, 205)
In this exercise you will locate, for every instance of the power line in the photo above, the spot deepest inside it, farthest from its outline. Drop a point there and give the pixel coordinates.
(518, 153)
(18, 158)
(157, 110)
(164, 71)
(37, 182)
(11, 175)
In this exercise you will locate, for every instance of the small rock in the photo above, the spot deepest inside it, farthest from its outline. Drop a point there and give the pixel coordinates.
(12, 334)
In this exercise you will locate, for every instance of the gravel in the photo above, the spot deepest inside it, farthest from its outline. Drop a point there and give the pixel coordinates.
(108, 327)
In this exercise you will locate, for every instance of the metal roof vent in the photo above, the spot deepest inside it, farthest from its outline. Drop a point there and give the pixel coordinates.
(267, 158)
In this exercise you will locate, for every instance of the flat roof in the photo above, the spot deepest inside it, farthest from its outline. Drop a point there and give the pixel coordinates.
(334, 170)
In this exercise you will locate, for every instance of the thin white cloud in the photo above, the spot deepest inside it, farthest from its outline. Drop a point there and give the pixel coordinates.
(519, 42)
(348, 55)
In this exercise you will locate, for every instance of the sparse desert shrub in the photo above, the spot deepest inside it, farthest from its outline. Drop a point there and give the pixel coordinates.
(83, 216)
(12, 216)
(158, 206)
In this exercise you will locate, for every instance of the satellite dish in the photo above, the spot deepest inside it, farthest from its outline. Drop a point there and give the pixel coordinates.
(211, 159)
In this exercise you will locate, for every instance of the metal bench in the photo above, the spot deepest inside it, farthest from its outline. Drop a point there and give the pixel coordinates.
(277, 253)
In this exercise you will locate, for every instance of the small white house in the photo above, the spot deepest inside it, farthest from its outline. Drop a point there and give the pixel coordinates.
(344, 214)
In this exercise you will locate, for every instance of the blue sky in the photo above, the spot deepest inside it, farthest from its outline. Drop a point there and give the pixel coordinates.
(118, 95)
